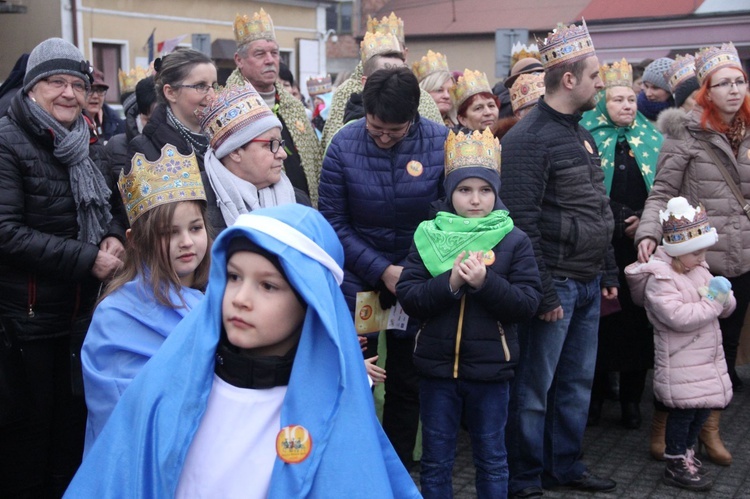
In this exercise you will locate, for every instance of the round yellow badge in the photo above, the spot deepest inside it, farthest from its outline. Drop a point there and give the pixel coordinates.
(365, 313)
(414, 168)
(588, 147)
(293, 444)
(488, 257)
(632, 154)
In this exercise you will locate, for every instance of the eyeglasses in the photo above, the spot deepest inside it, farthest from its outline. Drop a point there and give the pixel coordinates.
(201, 88)
(726, 85)
(376, 134)
(60, 84)
(274, 144)
(98, 90)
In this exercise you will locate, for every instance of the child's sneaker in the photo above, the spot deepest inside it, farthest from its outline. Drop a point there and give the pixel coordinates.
(681, 473)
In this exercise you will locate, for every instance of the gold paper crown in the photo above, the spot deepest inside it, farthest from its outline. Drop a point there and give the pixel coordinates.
(521, 51)
(683, 68)
(317, 85)
(431, 63)
(129, 80)
(378, 43)
(526, 90)
(248, 29)
(619, 74)
(470, 83)
(390, 24)
(709, 59)
(566, 44)
(477, 149)
(170, 179)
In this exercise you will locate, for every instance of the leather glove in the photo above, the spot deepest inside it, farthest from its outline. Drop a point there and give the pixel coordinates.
(387, 299)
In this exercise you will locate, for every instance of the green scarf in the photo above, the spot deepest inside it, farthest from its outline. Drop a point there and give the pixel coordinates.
(440, 241)
(644, 140)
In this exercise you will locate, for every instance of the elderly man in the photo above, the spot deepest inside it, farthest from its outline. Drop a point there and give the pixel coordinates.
(257, 60)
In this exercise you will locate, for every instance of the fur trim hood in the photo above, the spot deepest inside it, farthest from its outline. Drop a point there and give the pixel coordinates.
(672, 123)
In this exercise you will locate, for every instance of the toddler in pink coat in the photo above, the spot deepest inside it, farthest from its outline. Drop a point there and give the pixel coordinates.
(684, 302)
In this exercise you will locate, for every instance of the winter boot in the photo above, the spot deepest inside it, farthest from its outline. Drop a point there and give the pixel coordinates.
(658, 429)
(713, 447)
(680, 473)
(695, 462)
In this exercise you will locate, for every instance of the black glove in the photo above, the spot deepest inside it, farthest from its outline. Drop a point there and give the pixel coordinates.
(387, 299)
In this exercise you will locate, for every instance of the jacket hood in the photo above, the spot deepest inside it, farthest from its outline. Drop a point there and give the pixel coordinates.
(672, 122)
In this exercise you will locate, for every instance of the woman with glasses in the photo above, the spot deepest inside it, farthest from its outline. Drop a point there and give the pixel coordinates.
(245, 158)
(61, 235)
(106, 119)
(698, 145)
(185, 83)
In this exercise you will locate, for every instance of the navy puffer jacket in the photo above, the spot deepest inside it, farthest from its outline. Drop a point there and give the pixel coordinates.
(373, 202)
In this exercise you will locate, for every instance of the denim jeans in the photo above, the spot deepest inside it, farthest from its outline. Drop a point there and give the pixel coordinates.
(551, 392)
(485, 406)
(683, 426)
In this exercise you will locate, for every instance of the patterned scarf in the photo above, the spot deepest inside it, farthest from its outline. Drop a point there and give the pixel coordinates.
(197, 141)
(440, 241)
(87, 183)
(644, 140)
(736, 133)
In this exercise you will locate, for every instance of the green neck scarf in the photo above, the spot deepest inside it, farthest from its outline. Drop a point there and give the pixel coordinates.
(644, 140)
(440, 241)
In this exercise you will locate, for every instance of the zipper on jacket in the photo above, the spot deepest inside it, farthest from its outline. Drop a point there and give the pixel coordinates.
(695, 338)
(459, 329)
(416, 338)
(506, 350)
(31, 301)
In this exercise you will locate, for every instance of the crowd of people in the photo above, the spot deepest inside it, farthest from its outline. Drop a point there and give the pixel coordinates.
(182, 288)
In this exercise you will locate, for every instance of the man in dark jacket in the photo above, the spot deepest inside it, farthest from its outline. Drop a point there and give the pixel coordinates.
(380, 175)
(553, 185)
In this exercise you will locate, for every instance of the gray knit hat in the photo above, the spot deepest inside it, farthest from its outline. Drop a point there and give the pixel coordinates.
(654, 73)
(55, 56)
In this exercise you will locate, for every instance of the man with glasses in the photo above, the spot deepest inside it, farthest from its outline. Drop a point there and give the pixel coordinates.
(380, 175)
(106, 120)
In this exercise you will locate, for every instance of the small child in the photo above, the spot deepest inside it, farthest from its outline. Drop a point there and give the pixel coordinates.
(261, 391)
(469, 278)
(684, 302)
(163, 278)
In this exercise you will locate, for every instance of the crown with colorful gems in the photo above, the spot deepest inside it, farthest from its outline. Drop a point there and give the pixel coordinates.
(710, 59)
(470, 83)
(521, 51)
(234, 108)
(685, 228)
(378, 43)
(681, 69)
(618, 74)
(526, 90)
(170, 179)
(317, 85)
(248, 29)
(477, 149)
(431, 63)
(566, 44)
(129, 80)
(389, 24)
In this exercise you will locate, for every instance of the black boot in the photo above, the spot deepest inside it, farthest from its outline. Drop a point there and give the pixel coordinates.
(631, 415)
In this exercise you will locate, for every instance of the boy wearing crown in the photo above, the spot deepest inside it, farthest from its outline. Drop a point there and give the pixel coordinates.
(469, 278)
(553, 185)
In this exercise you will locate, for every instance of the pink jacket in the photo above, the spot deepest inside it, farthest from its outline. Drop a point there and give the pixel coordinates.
(689, 367)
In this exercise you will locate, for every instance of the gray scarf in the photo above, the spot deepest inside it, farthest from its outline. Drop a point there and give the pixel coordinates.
(90, 191)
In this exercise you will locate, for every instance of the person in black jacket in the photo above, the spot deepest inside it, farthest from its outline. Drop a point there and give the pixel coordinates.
(553, 185)
(469, 278)
(61, 234)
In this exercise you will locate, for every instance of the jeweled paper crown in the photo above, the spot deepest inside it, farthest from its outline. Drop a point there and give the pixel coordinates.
(317, 85)
(685, 229)
(526, 90)
(470, 83)
(477, 149)
(618, 74)
(389, 24)
(521, 51)
(129, 80)
(431, 63)
(566, 44)
(258, 27)
(681, 69)
(170, 179)
(378, 43)
(710, 59)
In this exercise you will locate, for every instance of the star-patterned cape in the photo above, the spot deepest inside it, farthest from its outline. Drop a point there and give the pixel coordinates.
(644, 140)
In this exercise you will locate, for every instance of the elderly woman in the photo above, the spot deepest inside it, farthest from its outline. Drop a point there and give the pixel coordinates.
(61, 234)
(706, 159)
(628, 145)
(245, 158)
(436, 79)
(477, 106)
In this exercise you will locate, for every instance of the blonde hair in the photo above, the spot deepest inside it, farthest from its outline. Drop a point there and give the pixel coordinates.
(433, 82)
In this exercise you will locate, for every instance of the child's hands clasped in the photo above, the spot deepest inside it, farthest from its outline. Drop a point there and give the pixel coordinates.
(471, 271)
(718, 289)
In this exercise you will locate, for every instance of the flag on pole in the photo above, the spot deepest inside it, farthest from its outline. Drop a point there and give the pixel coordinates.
(150, 46)
(168, 46)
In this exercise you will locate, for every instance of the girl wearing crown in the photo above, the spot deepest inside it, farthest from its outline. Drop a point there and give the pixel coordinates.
(469, 277)
(164, 274)
(684, 303)
(706, 156)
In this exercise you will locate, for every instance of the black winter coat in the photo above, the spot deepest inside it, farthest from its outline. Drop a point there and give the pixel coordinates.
(45, 272)
(156, 134)
(117, 146)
